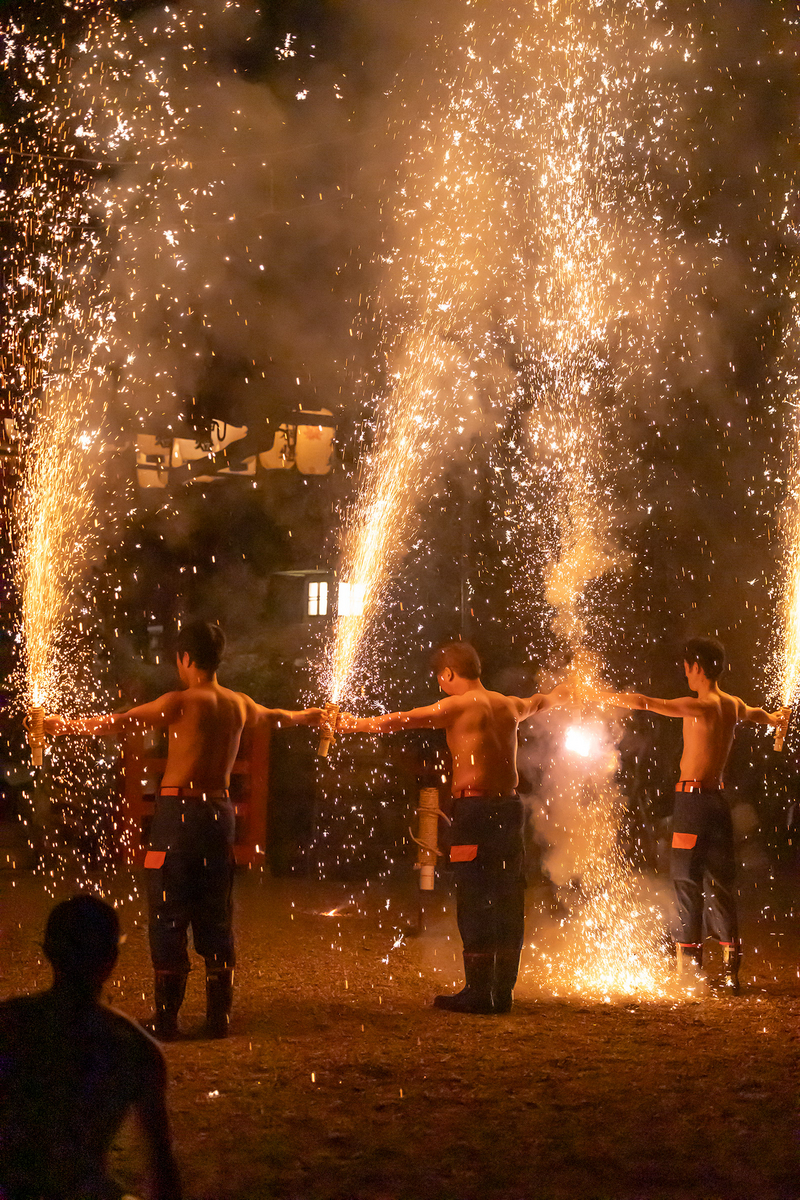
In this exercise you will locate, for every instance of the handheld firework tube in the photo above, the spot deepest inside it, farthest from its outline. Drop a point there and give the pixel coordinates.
(34, 726)
(429, 813)
(329, 722)
(782, 730)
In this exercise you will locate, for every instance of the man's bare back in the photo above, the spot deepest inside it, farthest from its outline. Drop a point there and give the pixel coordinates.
(482, 738)
(709, 722)
(480, 726)
(708, 737)
(204, 737)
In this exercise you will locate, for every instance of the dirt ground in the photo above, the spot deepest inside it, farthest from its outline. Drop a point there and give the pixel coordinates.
(340, 1082)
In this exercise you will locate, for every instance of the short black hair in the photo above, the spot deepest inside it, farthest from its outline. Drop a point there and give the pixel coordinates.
(708, 653)
(204, 643)
(460, 657)
(82, 935)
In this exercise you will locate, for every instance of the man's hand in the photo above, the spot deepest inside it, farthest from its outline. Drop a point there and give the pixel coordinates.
(562, 694)
(285, 717)
(347, 723)
(780, 719)
(591, 691)
(54, 725)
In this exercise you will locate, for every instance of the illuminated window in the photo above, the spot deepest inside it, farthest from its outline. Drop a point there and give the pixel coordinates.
(317, 598)
(351, 599)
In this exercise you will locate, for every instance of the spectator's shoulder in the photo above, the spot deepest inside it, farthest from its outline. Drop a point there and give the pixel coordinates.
(23, 1021)
(17, 1009)
(136, 1042)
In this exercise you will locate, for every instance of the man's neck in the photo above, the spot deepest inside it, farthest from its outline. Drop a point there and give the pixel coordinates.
(467, 685)
(197, 678)
(82, 993)
(706, 687)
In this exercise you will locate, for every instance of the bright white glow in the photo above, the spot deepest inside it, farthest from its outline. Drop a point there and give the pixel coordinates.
(351, 599)
(580, 741)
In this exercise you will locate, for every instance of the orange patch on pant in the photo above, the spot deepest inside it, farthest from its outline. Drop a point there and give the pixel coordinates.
(684, 841)
(155, 858)
(463, 853)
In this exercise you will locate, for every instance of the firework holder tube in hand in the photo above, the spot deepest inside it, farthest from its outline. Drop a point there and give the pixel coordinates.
(328, 726)
(782, 730)
(34, 727)
(429, 813)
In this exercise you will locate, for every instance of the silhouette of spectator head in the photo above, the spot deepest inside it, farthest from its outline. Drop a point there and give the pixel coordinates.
(81, 942)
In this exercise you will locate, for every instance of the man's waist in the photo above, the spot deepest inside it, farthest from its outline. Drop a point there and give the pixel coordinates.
(699, 785)
(193, 793)
(483, 794)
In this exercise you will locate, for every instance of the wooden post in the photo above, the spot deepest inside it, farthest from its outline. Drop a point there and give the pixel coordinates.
(428, 836)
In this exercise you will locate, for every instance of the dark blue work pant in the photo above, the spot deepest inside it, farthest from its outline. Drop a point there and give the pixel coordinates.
(703, 866)
(190, 866)
(488, 858)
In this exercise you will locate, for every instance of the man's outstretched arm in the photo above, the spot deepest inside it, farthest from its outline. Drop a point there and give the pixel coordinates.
(305, 716)
(530, 705)
(257, 714)
(432, 716)
(156, 714)
(760, 716)
(681, 706)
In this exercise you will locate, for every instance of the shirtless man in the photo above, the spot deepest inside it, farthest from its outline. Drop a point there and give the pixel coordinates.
(702, 839)
(190, 861)
(487, 850)
(72, 1069)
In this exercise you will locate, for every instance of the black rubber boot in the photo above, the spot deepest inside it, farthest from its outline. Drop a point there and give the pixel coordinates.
(731, 957)
(506, 969)
(476, 997)
(169, 988)
(219, 1001)
(690, 960)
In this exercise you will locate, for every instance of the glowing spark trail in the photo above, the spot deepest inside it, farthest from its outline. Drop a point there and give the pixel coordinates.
(592, 252)
(53, 366)
(138, 180)
(526, 268)
(786, 659)
(58, 328)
